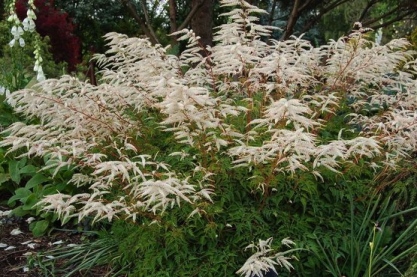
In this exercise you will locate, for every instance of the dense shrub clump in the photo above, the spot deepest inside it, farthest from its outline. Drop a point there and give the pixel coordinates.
(199, 155)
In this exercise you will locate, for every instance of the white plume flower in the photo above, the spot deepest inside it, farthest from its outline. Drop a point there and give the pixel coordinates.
(264, 259)
(268, 108)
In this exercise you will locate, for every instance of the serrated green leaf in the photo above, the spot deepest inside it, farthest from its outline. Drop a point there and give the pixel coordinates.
(304, 203)
(28, 169)
(4, 178)
(19, 211)
(31, 200)
(40, 227)
(22, 162)
(20, 194)
(14, 171)
(23, 192)
(49, 189)
(60, 187)
(37, 179)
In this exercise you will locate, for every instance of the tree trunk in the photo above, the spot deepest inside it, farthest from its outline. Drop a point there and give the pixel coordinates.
(272, 12)
(173, 15)
(2, 12)
(295, 14)
(173, 20)
(202, 21)
(144, 25)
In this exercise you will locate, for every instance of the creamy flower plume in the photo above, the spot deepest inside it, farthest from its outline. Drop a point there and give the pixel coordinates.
(264, 107)
(264, 259)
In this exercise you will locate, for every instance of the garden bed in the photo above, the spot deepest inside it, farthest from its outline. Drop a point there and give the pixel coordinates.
(19, 248)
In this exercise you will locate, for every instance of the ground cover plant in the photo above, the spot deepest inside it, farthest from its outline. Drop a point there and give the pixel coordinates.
(213, 162)
(21, 185)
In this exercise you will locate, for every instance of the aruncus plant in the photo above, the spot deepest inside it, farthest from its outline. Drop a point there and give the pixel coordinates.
(154, 142)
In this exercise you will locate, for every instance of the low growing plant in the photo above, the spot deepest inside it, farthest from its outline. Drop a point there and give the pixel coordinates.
(371, 246)
(77, 258)
(195, 150)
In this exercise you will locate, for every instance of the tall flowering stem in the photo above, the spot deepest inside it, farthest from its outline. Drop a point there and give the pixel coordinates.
(20, 27)
(260, 107)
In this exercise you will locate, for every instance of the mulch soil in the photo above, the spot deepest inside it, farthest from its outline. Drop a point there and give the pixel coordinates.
(14, 261)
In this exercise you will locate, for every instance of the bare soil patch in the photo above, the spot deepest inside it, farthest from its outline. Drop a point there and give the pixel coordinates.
(17, 244)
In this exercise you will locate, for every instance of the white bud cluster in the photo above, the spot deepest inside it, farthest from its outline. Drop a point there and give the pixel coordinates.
(27, 25)
(6, 92)
(16, 30)
(29, 21)
(38, 64)
(17, 33)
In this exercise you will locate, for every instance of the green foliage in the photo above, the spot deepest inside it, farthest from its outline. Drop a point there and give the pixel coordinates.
(20, 178)
(370, 247)
(193, 161)
(75, 259)
(108, 17)
(334, 222)
(27, 185)
(23, 184)
(413, 38)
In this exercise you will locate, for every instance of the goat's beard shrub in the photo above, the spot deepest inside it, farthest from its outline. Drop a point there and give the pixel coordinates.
(200, 145)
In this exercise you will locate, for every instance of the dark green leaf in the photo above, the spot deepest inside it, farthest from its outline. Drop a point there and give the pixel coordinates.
(40, 227)
(19, 211)
(14, 171)
(20, 194)
(31, 200)
(37, 179)
(28, 169)
(4, 178)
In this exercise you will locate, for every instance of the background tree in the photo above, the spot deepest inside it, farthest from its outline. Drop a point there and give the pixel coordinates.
(194, 14)
(252, 150)
(1, 10)
(395, 18)
(320, 20)
(202, 20)
(93, 19)
(58, 26)
(310, 13)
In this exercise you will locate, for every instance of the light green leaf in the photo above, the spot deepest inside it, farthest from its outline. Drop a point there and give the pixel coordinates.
(40, 228)
(4, 178)
(20, 194)
(19, 211)
(28, 169)
(14, 171)
(31, 200)
(37, 179)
